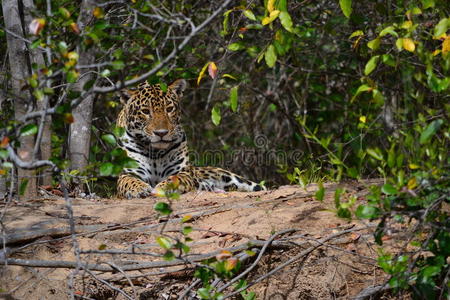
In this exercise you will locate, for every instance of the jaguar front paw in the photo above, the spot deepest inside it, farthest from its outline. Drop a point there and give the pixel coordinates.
(131, 187)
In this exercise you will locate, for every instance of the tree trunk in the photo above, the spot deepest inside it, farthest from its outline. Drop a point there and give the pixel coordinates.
(19, 66)
(3, 186)
(37, 57)
(80, 129)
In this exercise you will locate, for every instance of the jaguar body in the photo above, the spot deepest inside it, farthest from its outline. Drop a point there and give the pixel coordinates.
(155, 139)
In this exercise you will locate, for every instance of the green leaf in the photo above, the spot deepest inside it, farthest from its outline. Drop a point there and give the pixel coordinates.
(226, 16)
(362, 88)
(430, 271)
(346, 7)
(109, 138)
(118, 65)
(234, 98)
(441, 27)
(23, 186)
(28, 129)
(249, 14)
(72, 76)
(49, 91)
(375, 153)
(378, 97)
(282, 5)
(35, 44)
(389, 189)
(164, 242)
(186, 249)
(270, 56)
(320, 192)
(374, 44)
(163, 208)
(428, 4)
(246, 295)
(344, 213)
(118, 131)
(3, 154)
(102, 247)
(356, 33)
(371, 65)
(106, 169)
(187, 230)
(203, 293)
(215, 115)
(236, 46)
(7, 165)
(169, 255)
(388, 60)
(391, 158)
(431, 130)
(388, 30)
(367, 212)
(38, 94)
(286, 21)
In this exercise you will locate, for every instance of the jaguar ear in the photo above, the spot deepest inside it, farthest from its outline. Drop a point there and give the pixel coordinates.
(125, 95)
(178, 86)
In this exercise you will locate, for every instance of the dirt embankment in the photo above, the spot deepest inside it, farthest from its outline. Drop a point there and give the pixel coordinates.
(321, 257)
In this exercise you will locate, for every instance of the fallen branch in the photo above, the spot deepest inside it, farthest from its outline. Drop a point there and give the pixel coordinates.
(187, 260)
(371, 291)
(302, 254)
(23, 237)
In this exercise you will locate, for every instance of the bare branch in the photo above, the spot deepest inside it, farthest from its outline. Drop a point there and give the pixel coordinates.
(28, 165)
(119, 85)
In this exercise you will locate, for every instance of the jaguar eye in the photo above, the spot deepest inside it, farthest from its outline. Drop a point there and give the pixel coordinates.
(169, 109)
(145, 111)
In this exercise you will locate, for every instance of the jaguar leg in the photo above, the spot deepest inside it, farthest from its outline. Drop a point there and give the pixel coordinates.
(129, 186)
(209, 179)
(220, 179)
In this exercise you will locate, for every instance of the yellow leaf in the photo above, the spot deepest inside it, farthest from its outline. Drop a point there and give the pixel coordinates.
(362, 119)
(231, 263)
(273, 15)
(271, 5)
(229, 76)
(202, 72)
(186, 218)
(409, 45)
(436, 52)
(413, 166)
(407, 25)
(446, 45)
(98, 12)
(412, 183)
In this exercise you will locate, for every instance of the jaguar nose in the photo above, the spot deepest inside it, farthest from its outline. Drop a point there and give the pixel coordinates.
(160, 132)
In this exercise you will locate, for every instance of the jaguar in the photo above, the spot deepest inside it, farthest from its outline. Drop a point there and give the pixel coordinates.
(156, 140)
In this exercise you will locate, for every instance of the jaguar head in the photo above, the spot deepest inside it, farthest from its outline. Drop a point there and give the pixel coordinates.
(153, 113)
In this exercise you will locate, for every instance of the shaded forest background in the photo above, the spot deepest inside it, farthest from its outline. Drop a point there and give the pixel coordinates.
(311, 91)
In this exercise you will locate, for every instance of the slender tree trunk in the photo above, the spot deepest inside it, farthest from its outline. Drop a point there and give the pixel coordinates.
(19, 66)
(80, 129)
(37, 57)
(3, 187)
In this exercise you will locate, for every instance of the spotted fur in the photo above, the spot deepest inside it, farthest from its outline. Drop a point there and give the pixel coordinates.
(156, 140)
